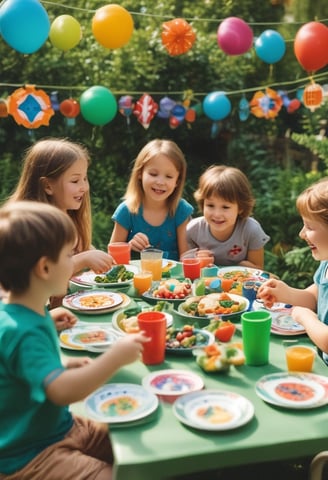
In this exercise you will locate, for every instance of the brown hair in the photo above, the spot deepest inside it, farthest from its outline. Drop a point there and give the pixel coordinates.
(313, 201)
(134, 193)
(29, 231)
(229, 183)
(50, 158)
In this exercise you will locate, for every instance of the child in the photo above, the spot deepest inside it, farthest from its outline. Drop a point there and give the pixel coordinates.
(312, 302)
(55, 171)
(226, 230)
(153, 212)
(39, 437)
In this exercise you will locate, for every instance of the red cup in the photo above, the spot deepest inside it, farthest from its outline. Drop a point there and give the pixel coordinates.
(191, 268)
(154, 326)
(121, 252)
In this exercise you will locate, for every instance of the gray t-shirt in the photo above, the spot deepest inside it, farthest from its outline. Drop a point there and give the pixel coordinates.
(247, 235)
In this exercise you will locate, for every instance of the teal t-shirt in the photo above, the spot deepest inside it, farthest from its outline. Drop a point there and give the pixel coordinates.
(321, 280)
(29, 361)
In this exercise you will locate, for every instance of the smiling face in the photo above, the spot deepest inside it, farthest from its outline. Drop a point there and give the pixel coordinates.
(315, 234)
(68, 189)
(159, 178)
(221, 216)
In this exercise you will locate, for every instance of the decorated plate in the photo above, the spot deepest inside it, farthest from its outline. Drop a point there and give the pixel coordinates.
(171, 384)
(171, 290)
(213, 410)
(94, 338)
(211, 302)
(121, 402)
(293, 390)
(88, 278)
(73, 300)
(282, 321)
(185, 345)
(129, 324)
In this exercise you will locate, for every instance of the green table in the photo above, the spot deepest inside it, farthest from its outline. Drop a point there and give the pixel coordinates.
(162, 447)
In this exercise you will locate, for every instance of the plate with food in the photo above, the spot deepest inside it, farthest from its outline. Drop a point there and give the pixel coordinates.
(117, 276)
(231, 279)
(95, 301)
(171, 289)
(182, 341)
(126, 321)
(121, 403)
(207, 306)
(170, 384)
(293, 390)
(282, 321)
(213, 410)
(88, 337)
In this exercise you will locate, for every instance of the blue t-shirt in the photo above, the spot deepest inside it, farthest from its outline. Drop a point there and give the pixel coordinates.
(321, 281)
(29, 361)
(162, 236)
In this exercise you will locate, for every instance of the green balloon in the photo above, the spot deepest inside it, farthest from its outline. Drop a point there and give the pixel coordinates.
(98, 105)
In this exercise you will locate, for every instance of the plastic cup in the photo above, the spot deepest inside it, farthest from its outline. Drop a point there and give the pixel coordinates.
(191, 268)
(154, 326)
(121, 252)
(300, 358)
(151, 261)
(142, 281)
(256, 327)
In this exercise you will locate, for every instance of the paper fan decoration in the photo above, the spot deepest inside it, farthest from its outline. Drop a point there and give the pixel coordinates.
(30, 107)
(177, 36)
(145, 109)
(266, 105)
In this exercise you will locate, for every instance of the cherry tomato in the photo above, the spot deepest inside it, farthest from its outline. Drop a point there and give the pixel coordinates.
(225, 331)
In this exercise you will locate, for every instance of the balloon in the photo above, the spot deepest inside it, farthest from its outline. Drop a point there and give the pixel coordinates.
(216, 105)
(234, 36)
(65, 32)
(165, 106)
(3, 108)
(177, 37)
(112, 26)
(24, 25)
(311, 46)
(270, 46)
(98, 105)
(70, 108)
(126, 106)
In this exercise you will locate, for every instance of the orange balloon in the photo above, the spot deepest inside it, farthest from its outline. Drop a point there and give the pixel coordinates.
(311, 46)
(178, 37)
(112, 26)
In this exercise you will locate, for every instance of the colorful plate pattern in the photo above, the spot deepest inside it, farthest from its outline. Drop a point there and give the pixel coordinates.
(172, 383)
(120, 403)
(213, 410)
(293, 390)
(73, 300)
(282, 321)
(92, 338)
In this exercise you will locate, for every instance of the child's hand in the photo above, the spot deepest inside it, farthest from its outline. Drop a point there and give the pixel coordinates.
(268, 292)
(129, 348)
(63, 318)
(139, 242)
(97, 260)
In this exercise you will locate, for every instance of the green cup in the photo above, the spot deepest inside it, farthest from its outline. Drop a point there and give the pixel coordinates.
(256, 327)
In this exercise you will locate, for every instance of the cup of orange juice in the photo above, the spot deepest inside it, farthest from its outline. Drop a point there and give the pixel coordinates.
(142, 281)
(299, 358)
(151, 261)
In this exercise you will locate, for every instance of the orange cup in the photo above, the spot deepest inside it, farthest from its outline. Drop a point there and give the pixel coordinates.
(154, 326)
(142, 281)
(191, 268)
(120, 251)
(300, 358)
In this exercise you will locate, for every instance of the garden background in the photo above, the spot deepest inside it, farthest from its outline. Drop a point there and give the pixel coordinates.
(280, 155)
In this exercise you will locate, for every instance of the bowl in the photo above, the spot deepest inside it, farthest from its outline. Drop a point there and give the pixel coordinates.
(171, 384)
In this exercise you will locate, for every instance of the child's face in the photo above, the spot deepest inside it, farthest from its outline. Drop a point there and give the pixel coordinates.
(61, 271)
(315, 234)
(69, 189)
(221, 216)
(159, 178)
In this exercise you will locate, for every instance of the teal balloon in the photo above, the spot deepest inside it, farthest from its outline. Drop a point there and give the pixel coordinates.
(216, 106)
(98, 105)
(270, 46)
(24, 25)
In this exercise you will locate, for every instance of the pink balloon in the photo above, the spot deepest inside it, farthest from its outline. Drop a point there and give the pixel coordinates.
(234, 36)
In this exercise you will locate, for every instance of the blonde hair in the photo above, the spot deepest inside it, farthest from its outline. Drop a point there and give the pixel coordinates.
(228, 183)
(50, 158)
(29, 231)
(134, 194)
(313, 201)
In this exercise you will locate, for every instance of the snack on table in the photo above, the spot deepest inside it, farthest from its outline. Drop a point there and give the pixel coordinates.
(214, 304)
(219, 357)
(172, 289)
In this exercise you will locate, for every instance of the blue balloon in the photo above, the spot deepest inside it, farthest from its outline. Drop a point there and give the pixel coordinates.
(216, 106)
(270, 46)
(24, 25)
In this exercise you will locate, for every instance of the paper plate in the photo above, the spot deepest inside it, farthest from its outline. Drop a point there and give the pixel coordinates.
(69, 301)
(124, 324)
(213, 410)
(94, 338)
(120, 402)
(88, 279)
(282, 322)
(293, 390)
(170, 384)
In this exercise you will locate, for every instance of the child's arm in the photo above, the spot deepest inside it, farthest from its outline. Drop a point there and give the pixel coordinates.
(95, 260)
(139, 242)
(75, 384)
(255, 259)
(277, 291)
(315, 329)
(63, 318)
(182, 237)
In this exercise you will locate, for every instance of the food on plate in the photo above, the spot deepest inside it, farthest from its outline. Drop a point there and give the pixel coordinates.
(219, 357)
(231, 281)
(225, 331)
(185, 337)
(129, 322)
(213, 304)
(95, 301)
(116, 274)
(93, 336)
(172, 289)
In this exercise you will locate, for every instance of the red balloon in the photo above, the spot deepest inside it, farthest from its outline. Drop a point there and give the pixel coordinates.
(311, 46)
(69, 108)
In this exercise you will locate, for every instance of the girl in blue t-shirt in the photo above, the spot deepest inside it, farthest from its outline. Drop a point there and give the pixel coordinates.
(153, 212)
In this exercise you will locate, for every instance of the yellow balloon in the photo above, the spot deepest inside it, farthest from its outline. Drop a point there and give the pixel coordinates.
(65, 32)
(112, 26)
